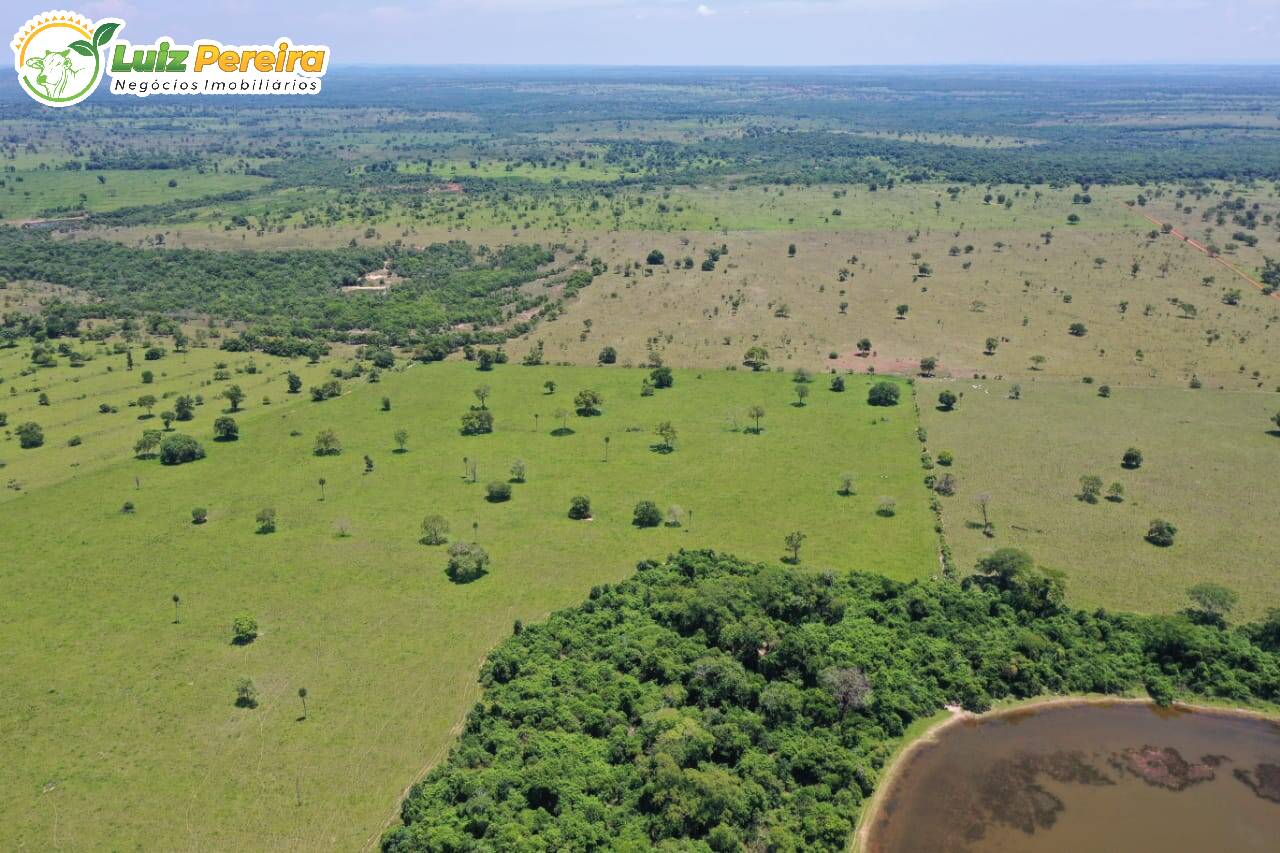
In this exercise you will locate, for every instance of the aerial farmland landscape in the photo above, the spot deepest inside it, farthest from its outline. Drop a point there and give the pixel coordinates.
(670, 453)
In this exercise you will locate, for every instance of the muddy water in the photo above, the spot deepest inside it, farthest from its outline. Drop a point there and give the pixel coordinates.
(1117, 777)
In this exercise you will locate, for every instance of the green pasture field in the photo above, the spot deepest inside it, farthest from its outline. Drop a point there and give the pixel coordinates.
(130, 733)
(1210, 464)
(26, 194)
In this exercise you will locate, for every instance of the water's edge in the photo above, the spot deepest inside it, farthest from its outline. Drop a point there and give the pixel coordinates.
(954, 714)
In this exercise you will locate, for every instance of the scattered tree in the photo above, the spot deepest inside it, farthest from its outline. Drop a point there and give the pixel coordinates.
(435, 530)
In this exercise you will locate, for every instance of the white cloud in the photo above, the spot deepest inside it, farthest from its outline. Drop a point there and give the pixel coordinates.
(705, 11)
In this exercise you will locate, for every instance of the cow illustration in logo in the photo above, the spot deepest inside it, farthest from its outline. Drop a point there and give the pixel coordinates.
(58, 56)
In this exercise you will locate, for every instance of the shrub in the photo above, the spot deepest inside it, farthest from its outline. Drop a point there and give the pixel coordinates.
(199, 515)
(888, 508)
(30, 435)
(497, 492)
(588, 402)
(327, 443)
(837, 383)
(178, 449)
(945, 458)
(266, 519)
(580, 508)
(435, 530)
(246, 693)
(1132, 459)
(244, 629)
(947, 400)
(883, 394)
(467, 562)
(662, 377)
(608, 355)
(477, 422)
(226, 429)
(1161, 533)
(647, 514)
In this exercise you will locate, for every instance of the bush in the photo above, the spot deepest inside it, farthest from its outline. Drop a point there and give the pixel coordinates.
(327, 443)
(246, 693)
(662, 377)
(199, 515)
(837, 383)
(178, 449)
(497, 492)
(30, 435)
(945, 458)
(647, 514)
(226, 429)
(1132, 459)
(1161, 533)
(478, 422)
(244, 629)
(883, 394)
(435, 530)
(580, 508)
(947, 400)
(467, 562)
(588, 402)
(266, 519)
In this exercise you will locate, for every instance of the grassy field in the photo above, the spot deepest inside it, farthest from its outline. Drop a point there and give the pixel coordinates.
(26, 193)
(115, 703)
(1210, 466)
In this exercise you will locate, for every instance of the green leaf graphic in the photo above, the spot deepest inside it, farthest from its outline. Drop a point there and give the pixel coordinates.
(103, 34)
(81, 47)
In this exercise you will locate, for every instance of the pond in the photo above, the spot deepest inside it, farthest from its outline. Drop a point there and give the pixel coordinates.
(1097, 777)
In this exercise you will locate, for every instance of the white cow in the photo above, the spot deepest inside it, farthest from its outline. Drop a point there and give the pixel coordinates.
(56, 72)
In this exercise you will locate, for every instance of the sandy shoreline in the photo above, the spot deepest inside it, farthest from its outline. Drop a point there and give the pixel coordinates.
(956, 714)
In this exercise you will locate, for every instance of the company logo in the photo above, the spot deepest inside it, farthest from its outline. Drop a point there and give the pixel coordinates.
(58, 56)
(61, 57)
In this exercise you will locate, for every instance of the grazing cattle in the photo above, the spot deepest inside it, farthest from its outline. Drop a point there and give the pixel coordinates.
(56, 72)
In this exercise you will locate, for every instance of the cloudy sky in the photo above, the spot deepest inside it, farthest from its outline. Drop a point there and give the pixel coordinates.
(726, 32)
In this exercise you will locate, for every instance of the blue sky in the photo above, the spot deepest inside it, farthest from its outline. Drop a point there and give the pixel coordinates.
(720, 32)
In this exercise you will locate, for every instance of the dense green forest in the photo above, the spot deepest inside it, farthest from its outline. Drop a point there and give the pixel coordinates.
(712, 702)
(294, 293)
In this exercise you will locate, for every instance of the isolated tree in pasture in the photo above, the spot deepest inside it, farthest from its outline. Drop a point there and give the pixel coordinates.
(467, 562)
(401, 437)
(846, 486)
(608, 355)
(199, 515)
(244, 629)
(30, 435)
(837, 383)
(984, 505)
(666, 433)
(168, 418)
(947, 400)
(1132, 459)
(322, 481)
(1090, 488)
(302, 697)
(266, 519)
(294, 382)
(178, 449)
(327, 443)
(235, 396)
(757, 358)
(478, 422)
(991, 344)
(1161, 532)
(1037, 362)
(902, 311)
(1078, 330)
(225, 428)
(802, 394)
(662, 377)
(883, 394)
(185, 408)
(1115, 492)
(580, 508)
(177, 609)
(864, 346)
(549, 386)
(756, 413)
(435, 530)
(246, 693)
(482, 394)
(928, 365)
(148, 402)
(793, 541)
(646, 514)
(497, 492)
(588, 402)
(146, 444)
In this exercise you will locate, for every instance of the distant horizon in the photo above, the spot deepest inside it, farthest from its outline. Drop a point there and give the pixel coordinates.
(728, 33)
